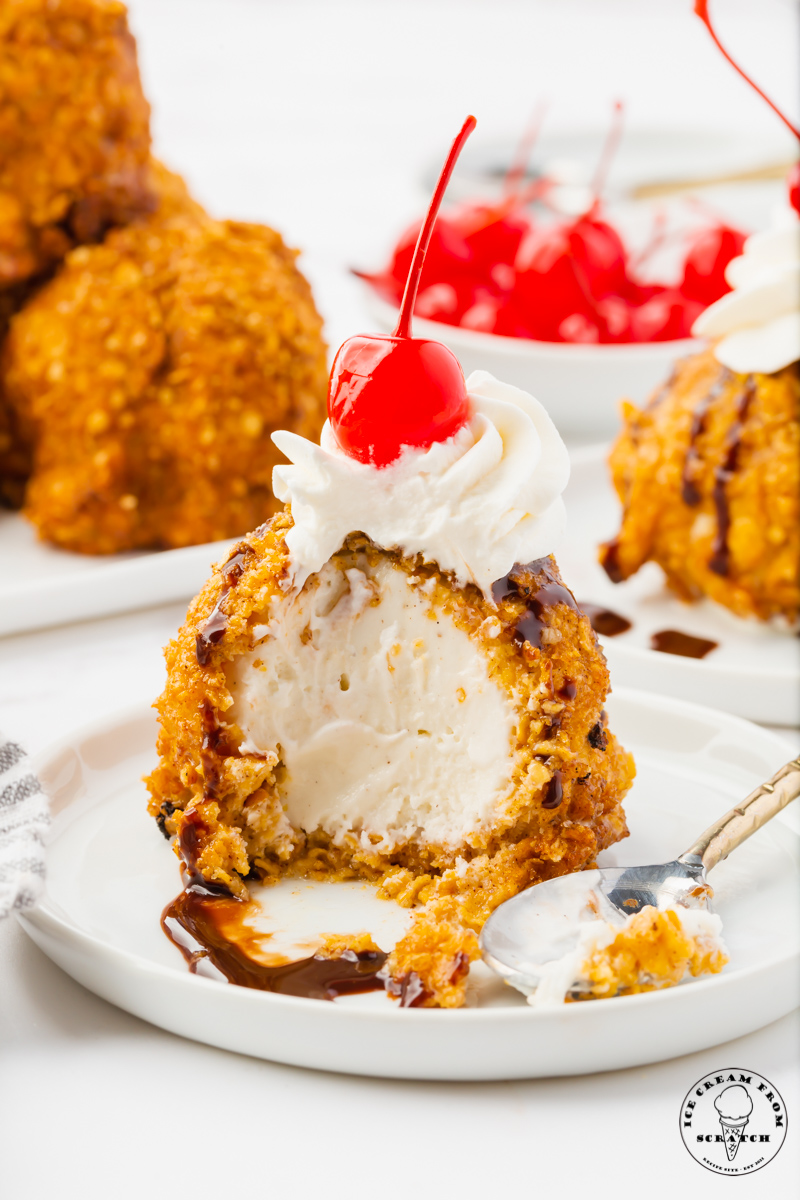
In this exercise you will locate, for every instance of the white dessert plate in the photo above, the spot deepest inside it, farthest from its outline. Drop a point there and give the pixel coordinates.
(754, 671)
(580, 385)
(111, 874)
(41, 585)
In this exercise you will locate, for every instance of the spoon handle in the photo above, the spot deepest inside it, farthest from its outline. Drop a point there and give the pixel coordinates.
(742, 821)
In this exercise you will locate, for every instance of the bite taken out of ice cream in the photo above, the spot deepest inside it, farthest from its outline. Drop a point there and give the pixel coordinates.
(390, 681)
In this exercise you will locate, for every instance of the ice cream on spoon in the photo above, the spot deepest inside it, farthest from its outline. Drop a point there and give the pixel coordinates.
(626, 929)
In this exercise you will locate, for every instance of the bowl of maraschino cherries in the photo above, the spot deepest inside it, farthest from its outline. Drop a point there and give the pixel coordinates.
(557, 306)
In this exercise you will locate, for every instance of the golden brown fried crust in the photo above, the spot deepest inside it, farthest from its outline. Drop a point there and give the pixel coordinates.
(561, 742)
(714, 447)
(74, 130)
(15, 441)
(153, 369)
(17, 430)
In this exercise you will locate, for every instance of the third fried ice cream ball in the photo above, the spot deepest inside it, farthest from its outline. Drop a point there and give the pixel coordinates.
(152, 370)
(709, 471)
(74, 130)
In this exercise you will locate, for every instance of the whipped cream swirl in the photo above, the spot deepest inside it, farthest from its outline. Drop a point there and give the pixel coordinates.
(758, 323)
(476, 504)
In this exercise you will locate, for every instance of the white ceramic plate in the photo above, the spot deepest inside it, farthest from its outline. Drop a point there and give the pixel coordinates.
(755, 670)
(111, 873)
(580, 386)
(41, 585)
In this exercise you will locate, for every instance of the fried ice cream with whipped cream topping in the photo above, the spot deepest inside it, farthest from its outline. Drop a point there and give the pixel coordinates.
(385, 713)
(74, 130)
(151, 371)
(709, 471)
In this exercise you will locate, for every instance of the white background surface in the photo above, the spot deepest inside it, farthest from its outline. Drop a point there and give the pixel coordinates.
(318, 117)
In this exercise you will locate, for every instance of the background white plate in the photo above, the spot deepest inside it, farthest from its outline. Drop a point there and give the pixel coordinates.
(41, 585)
(755, 670)
(110, 874)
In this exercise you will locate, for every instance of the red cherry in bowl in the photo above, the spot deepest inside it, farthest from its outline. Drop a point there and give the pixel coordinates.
(448, 254)
(704, 267)
(793, 183)
(391, 391)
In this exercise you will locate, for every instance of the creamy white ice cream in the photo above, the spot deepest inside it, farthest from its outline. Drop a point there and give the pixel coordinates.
(383, 712)
(758, 323)
(476, 504)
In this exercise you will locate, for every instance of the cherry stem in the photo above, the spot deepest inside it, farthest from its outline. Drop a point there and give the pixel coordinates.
(403, 329)
(701, 10)
(610, 147)
(519, 164)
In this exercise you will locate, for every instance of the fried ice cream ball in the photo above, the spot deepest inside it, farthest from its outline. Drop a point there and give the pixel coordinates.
(709, 478)
(152, 370)
(74, 130)
(16, 428)
(275, 761)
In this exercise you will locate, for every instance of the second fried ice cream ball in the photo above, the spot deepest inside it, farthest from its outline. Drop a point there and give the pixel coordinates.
(152, 370)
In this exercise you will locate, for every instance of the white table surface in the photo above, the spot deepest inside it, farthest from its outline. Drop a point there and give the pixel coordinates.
(296, 113)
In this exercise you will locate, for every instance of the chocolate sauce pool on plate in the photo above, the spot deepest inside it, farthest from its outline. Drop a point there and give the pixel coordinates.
(211, 934)
(672, 641)
(605, 620)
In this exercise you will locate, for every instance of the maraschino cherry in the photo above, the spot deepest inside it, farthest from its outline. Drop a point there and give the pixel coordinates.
(390, 391)
(793, 179)
(564, 270)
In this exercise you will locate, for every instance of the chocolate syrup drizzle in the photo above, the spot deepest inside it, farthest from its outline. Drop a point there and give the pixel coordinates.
(689, 491)
(720, 560)
(213, 628)
(538, 599)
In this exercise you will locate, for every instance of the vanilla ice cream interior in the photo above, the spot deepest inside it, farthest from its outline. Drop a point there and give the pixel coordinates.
(382, 710)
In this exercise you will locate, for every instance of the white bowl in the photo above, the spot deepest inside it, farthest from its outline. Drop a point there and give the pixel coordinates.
(579, 385)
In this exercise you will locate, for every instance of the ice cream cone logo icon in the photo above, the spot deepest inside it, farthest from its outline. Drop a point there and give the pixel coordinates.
(734, 1106)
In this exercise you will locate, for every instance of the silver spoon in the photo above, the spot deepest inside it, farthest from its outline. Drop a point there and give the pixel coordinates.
(540, 925)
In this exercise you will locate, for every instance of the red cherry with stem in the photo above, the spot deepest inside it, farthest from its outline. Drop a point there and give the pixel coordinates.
(701, 10)
(390, 391)
(704, 267)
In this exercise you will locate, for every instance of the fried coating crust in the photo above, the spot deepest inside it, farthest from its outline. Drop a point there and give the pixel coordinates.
(152, 370)
(16, 449)
(74, 130)
(234, 797)
(652, 952)
(709, 477)
(17, 431)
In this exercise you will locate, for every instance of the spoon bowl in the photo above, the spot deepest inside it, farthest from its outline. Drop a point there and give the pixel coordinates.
(541, 926)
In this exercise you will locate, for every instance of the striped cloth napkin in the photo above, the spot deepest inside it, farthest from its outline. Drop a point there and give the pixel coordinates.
(24, 817)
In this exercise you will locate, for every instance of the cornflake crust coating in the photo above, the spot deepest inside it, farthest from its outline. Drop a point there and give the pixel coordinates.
(709, 477)
(149, 374)
(17, 430)
(16, 454)
(74, 130)
(226, 798)
(653, 951)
